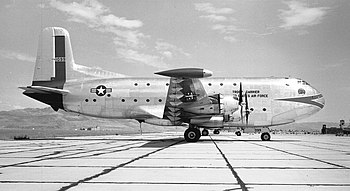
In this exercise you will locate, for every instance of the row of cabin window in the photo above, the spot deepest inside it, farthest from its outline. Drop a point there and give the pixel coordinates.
(159, 100)
(167, 84)
(147, 100)
(123, 100)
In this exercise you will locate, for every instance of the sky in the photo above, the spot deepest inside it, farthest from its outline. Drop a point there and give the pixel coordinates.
(252, 38)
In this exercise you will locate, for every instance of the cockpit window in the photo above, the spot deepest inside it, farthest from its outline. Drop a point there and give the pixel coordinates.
(301, 91)
(302, 82)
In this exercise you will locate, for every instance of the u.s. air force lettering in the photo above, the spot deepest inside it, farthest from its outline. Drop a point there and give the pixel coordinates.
(101, 90)
(253, 93)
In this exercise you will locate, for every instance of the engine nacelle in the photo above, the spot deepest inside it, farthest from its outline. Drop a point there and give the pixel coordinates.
(215, 121)
(186, 73)
(160, 122)
(229, 105)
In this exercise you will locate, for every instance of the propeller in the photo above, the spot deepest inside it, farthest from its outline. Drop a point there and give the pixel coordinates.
(246, 108)
(240, 101)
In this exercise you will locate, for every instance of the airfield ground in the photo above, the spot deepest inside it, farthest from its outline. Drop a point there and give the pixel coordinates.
(166, 162)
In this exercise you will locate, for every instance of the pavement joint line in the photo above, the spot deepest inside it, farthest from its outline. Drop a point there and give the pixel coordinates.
(328, 143)
(180, 183)
(175, 167)
(62, 156)
(235, 174)
(316, 147)
(295, 154)
(55, 147)
(106, 171)
(310, 158)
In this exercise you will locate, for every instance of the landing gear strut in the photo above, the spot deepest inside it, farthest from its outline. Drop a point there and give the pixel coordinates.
(265, 136)
(192, 134)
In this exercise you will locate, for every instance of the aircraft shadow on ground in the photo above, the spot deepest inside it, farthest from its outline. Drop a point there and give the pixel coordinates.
(162, 140)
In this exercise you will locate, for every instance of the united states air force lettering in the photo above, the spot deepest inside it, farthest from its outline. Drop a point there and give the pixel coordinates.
(252, 93)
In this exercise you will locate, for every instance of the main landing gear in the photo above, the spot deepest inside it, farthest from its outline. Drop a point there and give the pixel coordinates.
(192, 134)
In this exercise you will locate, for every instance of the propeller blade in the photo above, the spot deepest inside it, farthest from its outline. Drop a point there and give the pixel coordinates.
(246, 100)
(240, 96)
(246, 108)
(241, 113)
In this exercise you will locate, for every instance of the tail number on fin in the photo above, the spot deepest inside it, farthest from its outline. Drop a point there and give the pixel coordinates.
(60, 59)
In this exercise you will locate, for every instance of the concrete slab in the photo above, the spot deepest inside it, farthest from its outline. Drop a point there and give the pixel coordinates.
(167, 162)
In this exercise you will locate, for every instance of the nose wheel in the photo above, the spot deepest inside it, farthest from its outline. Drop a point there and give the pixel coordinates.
(265, 136)
(192, 134)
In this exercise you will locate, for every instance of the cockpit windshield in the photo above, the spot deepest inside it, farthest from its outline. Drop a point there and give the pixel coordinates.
(302, 82)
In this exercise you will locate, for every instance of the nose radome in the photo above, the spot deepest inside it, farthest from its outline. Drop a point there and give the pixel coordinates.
(319, 98)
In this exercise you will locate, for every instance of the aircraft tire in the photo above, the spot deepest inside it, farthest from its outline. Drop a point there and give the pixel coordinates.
(238, 133)
(265, 136)
(216, 132)
(192, 135)
(205, 132)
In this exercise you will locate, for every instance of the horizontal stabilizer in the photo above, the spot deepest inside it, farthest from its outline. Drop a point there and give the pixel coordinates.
(45, 89)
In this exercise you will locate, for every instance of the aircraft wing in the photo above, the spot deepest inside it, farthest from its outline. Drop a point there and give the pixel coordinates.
(187, 98)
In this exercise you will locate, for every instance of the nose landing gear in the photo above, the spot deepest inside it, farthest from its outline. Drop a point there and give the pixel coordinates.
(265, 136)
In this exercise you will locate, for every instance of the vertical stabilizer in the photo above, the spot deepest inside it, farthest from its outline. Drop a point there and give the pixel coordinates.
(54, 60)
(53, 67)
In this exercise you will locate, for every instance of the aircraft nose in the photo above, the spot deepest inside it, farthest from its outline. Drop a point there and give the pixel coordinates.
(321, 100)
(318, 98)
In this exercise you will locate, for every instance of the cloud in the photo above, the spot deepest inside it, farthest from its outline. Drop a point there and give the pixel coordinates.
(214, 18)
(112, 20)
(168, 50)
(95, 15)
(129, 41)
(230, 38)
(222, 19)
(226, 29)
(12, 55)
(299, 14)
(210, 9)
(137, 57)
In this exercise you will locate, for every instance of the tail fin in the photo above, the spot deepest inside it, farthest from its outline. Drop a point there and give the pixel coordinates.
(55, 63)
(54, 58)
(53, 67)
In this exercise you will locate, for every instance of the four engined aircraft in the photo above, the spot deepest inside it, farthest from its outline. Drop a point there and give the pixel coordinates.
(181, 96)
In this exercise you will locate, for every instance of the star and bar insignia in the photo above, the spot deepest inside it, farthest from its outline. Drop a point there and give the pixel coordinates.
(101, 90)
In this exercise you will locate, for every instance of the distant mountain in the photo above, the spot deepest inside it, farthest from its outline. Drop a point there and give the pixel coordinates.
(306, 126)
(46, 118)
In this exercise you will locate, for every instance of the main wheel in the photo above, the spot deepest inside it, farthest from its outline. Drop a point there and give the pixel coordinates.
(238, 133)
(205, 132)
(265, 136)
(192, 134)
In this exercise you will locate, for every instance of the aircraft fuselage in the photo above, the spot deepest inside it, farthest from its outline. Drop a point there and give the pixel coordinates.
(272, 101)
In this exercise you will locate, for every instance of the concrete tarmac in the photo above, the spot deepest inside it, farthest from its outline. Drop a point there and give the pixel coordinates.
(166, 162)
